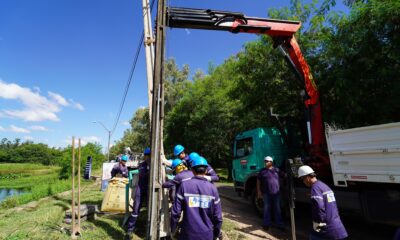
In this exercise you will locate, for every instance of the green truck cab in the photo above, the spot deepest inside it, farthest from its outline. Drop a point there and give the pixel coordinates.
(250, 148)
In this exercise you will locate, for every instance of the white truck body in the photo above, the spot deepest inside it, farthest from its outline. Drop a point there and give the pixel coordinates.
(365, 154)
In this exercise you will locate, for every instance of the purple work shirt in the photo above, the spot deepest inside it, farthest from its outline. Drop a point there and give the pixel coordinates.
(144, 170)
(211, 172)
(269, 180)
(178, 179)
(185, 161)
(324, 210)
(201, 206)
(119, 169)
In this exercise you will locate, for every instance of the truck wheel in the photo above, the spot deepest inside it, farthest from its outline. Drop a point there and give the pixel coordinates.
(258, 204)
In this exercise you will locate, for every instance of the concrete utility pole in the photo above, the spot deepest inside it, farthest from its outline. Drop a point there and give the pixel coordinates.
(109, 137)
(158, 214)
(149, 49)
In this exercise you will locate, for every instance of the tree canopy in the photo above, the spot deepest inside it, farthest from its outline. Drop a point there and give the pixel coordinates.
(353, 58)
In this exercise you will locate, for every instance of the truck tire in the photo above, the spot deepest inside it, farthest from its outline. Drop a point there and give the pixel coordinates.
(258, 204)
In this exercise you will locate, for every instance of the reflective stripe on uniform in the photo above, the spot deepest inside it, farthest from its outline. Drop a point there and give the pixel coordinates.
(179, 196)
(216, 202)
(198, 195)
(317, 197)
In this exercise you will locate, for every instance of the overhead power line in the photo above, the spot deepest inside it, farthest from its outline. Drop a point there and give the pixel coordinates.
(132, 70)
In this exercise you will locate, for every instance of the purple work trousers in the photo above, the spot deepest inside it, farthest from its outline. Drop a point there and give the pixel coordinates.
(140, 198)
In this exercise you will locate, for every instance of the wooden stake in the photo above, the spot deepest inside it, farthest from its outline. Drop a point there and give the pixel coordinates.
(76, 229)
(73, 189)
(79, 187)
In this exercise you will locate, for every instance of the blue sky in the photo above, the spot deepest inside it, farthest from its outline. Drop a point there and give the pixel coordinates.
(64, 64)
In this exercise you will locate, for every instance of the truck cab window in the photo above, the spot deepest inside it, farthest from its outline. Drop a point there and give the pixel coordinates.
(244, 147)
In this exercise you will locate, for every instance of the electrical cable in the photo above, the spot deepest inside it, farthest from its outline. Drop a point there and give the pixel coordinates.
(132, 70)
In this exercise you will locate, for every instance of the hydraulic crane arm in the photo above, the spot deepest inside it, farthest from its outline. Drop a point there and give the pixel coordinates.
(282, 33)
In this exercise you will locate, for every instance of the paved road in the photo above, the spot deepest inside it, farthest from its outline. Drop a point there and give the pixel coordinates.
(249, 224)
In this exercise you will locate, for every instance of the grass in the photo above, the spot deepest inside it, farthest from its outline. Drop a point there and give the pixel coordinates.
(44, 219)
(229, 229)
(22, 167)
(39, 181)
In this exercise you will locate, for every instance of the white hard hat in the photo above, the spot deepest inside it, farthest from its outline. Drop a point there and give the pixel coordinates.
(269, 159)
(304, 171)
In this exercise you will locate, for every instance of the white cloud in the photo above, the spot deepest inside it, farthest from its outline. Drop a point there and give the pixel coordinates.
(84, 140)
(36, 106)
(16, 129)
(126, 123)
(2, 129)
(76, 105)
(29, 138)
(58, 98)
(88, 139)
(38, 128)
(32, 115)
(187, 31)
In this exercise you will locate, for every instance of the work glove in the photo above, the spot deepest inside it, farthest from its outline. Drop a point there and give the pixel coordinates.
(318, 226)
(208, 178)
(219, 237)
(175, 234)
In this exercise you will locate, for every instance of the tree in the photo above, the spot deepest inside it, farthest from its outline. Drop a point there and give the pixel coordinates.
(138, 136)
(360, 67)
(90, 149)
(176, 84)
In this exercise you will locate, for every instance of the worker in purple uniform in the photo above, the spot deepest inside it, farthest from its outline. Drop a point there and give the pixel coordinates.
(201, 206)
(179, 152)
(181, 174)
(140, 192)
(211, 175)
(120, 168)
(325, 215)
(268, 189)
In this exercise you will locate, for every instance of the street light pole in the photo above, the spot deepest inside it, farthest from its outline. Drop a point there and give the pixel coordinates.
(109, 137)
(108, 145)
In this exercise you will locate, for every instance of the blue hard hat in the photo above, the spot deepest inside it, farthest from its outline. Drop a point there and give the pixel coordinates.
(178, 149)
(125, 158)
(199, 161)
(175, 163)
(193, 156)
(147, 151)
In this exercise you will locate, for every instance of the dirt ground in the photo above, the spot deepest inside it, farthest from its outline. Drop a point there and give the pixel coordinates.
(248, 225)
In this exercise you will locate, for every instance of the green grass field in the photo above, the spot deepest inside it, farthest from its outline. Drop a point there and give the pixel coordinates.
(37, 180)
(43, 217)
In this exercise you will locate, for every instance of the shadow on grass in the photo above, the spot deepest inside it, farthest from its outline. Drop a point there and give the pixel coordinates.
(108, 228)
(63, 205)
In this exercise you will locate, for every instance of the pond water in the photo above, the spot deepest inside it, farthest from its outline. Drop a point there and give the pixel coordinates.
(5, 192)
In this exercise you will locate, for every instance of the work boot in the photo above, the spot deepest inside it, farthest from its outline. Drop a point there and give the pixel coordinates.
(129, 235)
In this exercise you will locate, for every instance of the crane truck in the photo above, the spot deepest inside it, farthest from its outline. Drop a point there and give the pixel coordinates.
(246, 164)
